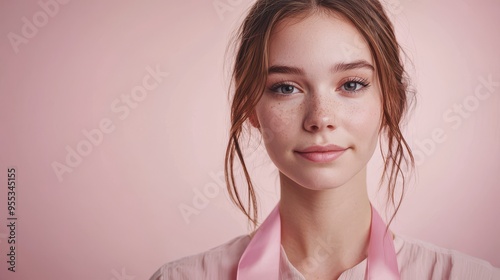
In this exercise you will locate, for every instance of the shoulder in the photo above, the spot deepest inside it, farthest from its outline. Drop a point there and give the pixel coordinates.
(217, 263)
(423, 260)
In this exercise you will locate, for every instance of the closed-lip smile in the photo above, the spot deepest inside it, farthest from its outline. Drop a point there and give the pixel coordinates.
(321, 154)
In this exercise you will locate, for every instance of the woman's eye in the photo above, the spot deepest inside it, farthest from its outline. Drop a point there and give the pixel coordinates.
(352, 86)
(284, 89)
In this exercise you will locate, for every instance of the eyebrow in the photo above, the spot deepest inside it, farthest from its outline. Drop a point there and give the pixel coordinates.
(339, 67)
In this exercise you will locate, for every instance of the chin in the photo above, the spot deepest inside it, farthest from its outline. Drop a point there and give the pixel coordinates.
(322, 180)
(320, 184)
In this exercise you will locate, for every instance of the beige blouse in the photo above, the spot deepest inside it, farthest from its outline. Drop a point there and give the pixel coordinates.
(417, 260)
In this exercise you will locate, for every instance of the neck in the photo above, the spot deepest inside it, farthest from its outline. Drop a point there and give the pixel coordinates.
(330, 226)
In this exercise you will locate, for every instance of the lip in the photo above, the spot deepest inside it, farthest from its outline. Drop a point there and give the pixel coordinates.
(322, 154)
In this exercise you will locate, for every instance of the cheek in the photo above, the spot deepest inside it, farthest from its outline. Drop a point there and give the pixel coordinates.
(276, 119)
(364, 120)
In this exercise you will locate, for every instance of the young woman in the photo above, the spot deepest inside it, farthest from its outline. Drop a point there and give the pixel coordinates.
(321, 81)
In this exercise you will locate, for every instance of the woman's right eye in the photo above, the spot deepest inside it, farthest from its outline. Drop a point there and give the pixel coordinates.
(284, 88)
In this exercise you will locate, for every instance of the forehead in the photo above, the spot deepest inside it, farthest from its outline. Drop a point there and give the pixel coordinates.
(318, 38)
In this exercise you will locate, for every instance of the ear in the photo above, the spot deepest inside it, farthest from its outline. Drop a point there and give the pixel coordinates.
(253, 119)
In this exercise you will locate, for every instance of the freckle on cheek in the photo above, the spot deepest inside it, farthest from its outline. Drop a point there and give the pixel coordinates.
(283, 118)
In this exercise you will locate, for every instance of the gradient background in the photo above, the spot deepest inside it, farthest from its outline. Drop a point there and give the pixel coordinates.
(116, 215)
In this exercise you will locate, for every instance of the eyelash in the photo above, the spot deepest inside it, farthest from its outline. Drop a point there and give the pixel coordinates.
(361, 81)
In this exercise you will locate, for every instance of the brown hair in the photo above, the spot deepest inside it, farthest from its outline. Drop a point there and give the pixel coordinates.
(249, 75)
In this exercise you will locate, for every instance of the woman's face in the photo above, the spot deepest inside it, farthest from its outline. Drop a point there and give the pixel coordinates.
(321, 90)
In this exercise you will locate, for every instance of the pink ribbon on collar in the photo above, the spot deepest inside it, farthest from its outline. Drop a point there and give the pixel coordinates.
(261, 258)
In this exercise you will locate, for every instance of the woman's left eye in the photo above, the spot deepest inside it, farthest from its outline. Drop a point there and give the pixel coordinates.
(284, 88)
(353, 86)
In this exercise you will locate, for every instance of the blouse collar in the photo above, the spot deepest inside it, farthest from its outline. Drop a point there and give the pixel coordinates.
(261, 258)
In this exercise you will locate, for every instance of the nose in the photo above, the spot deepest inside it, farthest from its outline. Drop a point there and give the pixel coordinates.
(320, 113)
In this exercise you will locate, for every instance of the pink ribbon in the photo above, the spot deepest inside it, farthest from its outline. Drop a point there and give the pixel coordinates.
(261, 258)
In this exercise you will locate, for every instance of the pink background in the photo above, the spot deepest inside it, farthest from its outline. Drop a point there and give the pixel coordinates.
(116, 215)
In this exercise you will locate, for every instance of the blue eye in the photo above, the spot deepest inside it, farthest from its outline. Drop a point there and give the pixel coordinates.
(354, 85)
(351, 86)
(283, 88)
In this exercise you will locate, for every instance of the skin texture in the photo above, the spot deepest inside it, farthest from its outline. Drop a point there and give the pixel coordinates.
(324, 207)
